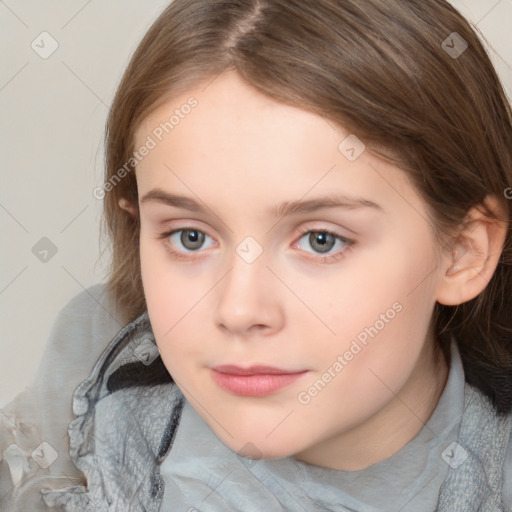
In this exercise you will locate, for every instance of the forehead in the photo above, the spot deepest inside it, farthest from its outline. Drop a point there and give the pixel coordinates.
(228, 109)
(227, 143)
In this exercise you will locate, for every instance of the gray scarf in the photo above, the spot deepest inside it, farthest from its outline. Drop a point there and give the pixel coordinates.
(125, 429)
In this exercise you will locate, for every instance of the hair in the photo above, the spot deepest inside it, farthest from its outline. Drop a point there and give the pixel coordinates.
(380, 69)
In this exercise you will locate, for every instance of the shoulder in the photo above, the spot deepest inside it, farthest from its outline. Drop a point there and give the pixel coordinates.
(91, 311)
(477, 477)
(491, 434)
(507, 473)
(81, 332)
(489, 440)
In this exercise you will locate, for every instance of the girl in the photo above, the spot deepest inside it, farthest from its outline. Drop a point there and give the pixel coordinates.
(308, 209)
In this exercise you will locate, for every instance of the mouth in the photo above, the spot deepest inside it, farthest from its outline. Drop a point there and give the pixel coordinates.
(256, 381)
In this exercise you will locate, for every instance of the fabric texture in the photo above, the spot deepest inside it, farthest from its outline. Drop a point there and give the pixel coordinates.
(41, 413)
(121, 434)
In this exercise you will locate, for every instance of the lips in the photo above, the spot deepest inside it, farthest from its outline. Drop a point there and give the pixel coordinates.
(253, 370)
(256, 381)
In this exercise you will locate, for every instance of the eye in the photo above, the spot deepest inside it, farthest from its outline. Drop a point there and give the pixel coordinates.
(323, 242)
(188, 240)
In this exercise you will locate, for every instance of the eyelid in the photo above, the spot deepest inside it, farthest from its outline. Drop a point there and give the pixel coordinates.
(168, 232)
(323, 229)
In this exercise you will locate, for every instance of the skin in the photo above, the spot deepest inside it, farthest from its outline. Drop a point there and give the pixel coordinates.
(240, 155)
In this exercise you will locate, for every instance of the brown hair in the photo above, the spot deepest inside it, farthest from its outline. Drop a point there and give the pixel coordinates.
(380, 69)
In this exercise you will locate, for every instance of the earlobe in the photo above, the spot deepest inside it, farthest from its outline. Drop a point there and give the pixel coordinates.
(474, 255)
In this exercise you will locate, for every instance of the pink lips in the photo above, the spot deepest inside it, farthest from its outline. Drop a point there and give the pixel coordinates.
(255, 380)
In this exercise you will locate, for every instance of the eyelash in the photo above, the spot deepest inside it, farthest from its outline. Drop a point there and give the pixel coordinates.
(349, 243)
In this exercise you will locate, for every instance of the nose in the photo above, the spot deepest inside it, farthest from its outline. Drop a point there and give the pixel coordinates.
(248, 301)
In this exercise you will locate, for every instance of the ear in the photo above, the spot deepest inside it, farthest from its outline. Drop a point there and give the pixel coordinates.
(129, 207)
(475, 254)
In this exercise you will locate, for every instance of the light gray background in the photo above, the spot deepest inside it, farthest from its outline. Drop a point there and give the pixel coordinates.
(51, 130)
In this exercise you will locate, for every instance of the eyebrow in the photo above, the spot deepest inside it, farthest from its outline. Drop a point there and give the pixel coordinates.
(285, 208)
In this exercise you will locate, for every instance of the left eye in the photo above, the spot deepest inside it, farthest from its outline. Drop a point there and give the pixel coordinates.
(191, 240)
(322, 242)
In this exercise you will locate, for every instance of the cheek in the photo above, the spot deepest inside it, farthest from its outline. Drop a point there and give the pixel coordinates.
(164, 289)
(370, 282)
(154, 279)
(380, 314)
(174, 294)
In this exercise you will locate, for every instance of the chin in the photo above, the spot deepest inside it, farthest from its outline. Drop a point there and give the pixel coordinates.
(255, 447)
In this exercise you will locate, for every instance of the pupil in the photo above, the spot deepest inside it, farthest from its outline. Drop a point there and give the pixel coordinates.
(192, 239)
(321, 242)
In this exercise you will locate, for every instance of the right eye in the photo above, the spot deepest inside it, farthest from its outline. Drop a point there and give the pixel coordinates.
(187, 240)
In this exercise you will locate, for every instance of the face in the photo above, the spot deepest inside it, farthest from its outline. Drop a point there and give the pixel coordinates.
(290, 276)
